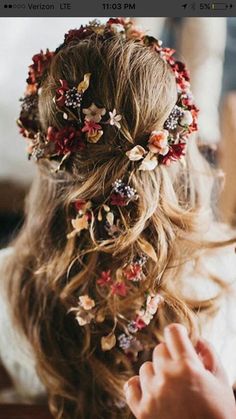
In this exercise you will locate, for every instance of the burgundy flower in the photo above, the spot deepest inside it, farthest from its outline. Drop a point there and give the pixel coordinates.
(176, 151)
(119, 288)
(60, 100)
(116, 21)
(80, 204)
(105, 278)
(119, 200)
(78, 34)
(40, 63)
(66, 140)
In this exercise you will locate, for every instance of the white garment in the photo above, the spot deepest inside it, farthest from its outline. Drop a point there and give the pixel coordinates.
(15, 352)
(18, 358)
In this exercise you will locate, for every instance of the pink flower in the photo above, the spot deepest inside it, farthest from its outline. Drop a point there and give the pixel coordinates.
(105, 278)
(91, 127)
(158, 142)
(133, 272)
(119, 288)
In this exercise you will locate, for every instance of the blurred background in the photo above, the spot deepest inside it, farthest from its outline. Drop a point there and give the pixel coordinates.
(207, 45)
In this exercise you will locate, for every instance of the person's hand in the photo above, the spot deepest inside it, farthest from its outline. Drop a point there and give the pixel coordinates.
(182, 382)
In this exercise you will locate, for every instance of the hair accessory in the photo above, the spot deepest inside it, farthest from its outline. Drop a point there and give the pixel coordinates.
(86, 125)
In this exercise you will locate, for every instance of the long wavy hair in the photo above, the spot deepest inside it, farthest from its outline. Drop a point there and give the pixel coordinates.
(172, 214)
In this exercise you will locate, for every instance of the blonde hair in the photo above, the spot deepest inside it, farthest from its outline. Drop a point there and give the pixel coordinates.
(48, 270)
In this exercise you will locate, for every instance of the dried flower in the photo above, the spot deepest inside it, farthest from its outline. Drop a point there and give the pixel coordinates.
(86, 302)
(176, 151)
(79, 224)
(150, 162)
(133, 272)
(66, 140)
(108, 342)
(81, 205)
(84, 317)
(114, 119)
(91, 127)
(122, 194)
(119, 288)
(93, 113)
(136, 153)
(158, 142)
(95, 137)
(105, 278)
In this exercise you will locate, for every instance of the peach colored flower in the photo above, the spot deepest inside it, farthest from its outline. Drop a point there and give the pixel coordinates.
(149, 162)
(86, 302)
(158, 142)
(93, 113)
(108, 342)
(80, 223)
(136, 153)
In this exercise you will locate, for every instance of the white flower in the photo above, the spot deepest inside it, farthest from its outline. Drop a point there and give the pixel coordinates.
(136, 153)
(84, 318)
(153, 303)
(117, 27)
(93, 113)
(186, 119)
(149, 162)
(114, 119)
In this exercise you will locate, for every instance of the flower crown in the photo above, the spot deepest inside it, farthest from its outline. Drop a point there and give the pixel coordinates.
(83, 125)
(86, 125)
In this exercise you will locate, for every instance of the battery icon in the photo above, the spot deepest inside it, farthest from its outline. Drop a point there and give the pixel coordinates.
(219, 6)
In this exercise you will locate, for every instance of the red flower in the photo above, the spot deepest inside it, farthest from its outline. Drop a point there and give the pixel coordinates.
(91, 127)
(105, 278)
(40, 62)
(132, 272)
(119, 200)
(66, 140)
(119, 288)
(176, 151)
(77, 34)
(140, 323)
(60, 100)
(80, 204)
